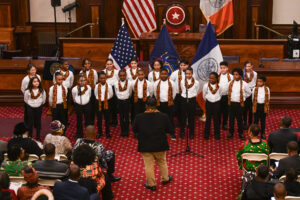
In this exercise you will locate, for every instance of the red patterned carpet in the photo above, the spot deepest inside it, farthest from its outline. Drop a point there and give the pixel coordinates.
(215, 176)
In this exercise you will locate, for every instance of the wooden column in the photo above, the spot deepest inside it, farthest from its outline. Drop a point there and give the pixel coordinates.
(254, 7)
(96, 16)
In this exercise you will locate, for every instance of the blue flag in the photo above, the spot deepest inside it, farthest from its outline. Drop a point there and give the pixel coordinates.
(164, 50)
(123, 50)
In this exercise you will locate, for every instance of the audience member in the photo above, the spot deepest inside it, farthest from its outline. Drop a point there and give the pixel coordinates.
(43, 194)
(51, 168)
(31, 187)
(278, 140)
(91, 186)
(106, 158)
(84, 156)
(291, 184)
(292, 161)
(3, 146)
(13, 166)
(62, 143)
(4, 185)
(21, 138)
(253, 145)
(5, 195)
(279, 191)
(259, 188)
(70, 189)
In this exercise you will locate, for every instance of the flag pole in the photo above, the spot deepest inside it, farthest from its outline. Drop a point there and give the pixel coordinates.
(164, 21)
(122, 20)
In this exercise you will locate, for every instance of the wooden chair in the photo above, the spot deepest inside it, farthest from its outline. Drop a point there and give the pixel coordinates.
(283, 178)
(231, 59)
(254, 157)
(48, 182)
(277, 156)
(268, 60)
(22, 58)
(47, 58)
(70, 58)
(17, 179)
(291, 198)
(31, 157)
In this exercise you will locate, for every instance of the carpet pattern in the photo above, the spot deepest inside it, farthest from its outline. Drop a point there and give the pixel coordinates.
(216, 176)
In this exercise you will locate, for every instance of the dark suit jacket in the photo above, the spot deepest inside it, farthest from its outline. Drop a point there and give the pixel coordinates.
(287, 163)
(292, 188)
(51, 169)
(29, 145)
(257, 190)
(70, 191)
(151, 129)
(278, 140)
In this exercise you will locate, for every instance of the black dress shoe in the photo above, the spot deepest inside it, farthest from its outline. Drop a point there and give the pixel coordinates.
(217, 137)
(241, 136)
(230, 136)
(181, 135)
(108, 135)
(225, 128)
(206, 137)
(192, 136)
(173, 137)
(170, 179)
(263, 136)
(152, 188)
(114, 178)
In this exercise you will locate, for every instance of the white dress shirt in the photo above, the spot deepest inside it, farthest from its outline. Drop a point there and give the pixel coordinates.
(150, 76)
(25, 82)
(95, 75)
(164, 90)
(34, 103)
(68, 83)
(140, 88)
(252, 83)
(111, 81)
(134, 71)
(261, 94)
(193, 91)
(110, 92)
(81, 99)
(235, 93)
(59, 97)
(224, 83)
(209, 96)
(174, 78)
(126, 93)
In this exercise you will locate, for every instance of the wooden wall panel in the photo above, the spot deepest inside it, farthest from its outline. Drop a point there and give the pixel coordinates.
(5, 15)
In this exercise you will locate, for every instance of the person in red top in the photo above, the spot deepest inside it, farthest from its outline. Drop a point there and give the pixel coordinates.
(4, 185)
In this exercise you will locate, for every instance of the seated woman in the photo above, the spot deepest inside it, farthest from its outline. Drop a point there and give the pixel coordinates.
(4, 185)
(84, 156)
(62, 143)
(291, 184)
(253, 145)
(13, 166)
(31, 187)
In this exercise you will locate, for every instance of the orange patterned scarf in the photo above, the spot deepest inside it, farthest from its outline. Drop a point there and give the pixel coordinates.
(90, 78)
(65, 76)
(241, 93)
(267, 100)
(64, 96)
(111, 74)
(179, 81)
(213, 91)
(136, 91)
(133, 76)
(188, 86)
(105, 102)
(125, 86)
(84, 90)
(154, 77)
(170, 93)
(33, 96)
(249, 79)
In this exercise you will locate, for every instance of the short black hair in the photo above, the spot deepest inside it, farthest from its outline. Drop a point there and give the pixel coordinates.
(238, 70)
(160, 63)
(84, 60)
(292, 146)
(247, 62)
(109, 59)
(286, 121)
(291, 175)
(151, 102)
(29, 66)
(49, 149)
(189, 69)
(140, 70)
(80, 75)
(225, 63)
(215, 74)
(262, 171)
(57, 74)
(20, 128)
(134, 58)
(13, 152)
(254, 129)
(262, 77)
(4, 180)
(102, 73)
(184, 61)
(164, 69)
(121, 71)
(89, 183)
(84, 155)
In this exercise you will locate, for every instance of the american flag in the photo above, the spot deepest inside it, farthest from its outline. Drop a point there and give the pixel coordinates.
(123, 50)
(140, 15)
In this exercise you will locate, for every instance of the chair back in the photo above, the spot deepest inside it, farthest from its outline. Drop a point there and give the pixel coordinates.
(48, 182)
(8, 54)
(232, 59)
(283, 178)
(278, 156)
(47, 58)
(22, 58)
(17, 179)
(268, 60)
(291, 198)
(291, 60)
(70, 58)
(254, 157)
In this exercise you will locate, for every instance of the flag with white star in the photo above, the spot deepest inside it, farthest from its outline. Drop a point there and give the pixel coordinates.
(123, 50)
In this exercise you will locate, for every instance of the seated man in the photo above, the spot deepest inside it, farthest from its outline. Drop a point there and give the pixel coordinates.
(293, 161)
(51, 168)
(70, 189)
(291, 185)
(21, 138)
(278, 140)
(259, 188)
(106, 158)
(279, 191)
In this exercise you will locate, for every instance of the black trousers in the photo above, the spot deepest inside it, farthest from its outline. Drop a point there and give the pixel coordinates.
(111, 164)
(248, 111)
(100, 115)
(123, 106)
(132, 112)
(177, 107)
(224, 110)
(34, 118)
(106, 191)
(25, 114)
(114, 108)
(93, 112)
(212, 112)
(169, 110)
(235, 112)
(82, 110)
(188, 108)
(139, 106)
(61, 114)
(260, 116)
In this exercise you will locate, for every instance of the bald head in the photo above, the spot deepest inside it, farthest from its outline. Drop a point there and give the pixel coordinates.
(90, 131)
(74, 172)
(279, 191)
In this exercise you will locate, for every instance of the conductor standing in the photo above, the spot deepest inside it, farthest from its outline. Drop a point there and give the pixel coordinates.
(152, 127)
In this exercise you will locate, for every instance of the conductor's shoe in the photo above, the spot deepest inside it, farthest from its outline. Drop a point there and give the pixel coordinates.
(241, 136)
(181, 135)
(230, 136)
(192, 136)
(170, 179)
(152, 188)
